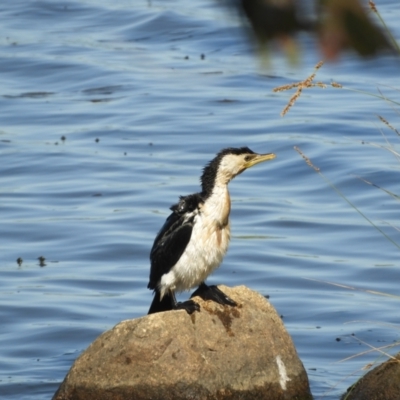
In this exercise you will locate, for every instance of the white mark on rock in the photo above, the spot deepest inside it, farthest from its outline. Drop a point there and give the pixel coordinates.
(283, 378)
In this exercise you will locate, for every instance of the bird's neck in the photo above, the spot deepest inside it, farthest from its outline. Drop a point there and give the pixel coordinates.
(217, 206)
(213, 178)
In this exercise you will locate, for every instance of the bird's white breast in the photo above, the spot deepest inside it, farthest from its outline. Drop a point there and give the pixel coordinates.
(207, 246)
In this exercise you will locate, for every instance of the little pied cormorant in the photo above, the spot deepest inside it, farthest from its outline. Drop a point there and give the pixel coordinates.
(195, 237)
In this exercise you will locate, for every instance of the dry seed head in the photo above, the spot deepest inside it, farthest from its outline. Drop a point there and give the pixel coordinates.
(306, 83)
(306, 159)
(285, 87)
(388, 124)
(372, 6)
(291, 101)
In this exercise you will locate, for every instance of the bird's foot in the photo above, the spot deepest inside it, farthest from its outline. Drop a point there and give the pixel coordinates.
(214, 294)
(190, 306)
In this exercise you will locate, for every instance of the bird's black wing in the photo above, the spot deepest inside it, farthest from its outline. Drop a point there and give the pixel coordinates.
(173, 238)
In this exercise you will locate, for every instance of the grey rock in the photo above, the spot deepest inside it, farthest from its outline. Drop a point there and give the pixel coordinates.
(219, 353)
(381, 383)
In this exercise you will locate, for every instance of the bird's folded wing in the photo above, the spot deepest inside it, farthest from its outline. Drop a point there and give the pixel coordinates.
(169, 246)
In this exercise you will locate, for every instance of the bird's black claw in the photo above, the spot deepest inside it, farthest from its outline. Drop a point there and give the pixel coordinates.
(190, 306)
(214, 294)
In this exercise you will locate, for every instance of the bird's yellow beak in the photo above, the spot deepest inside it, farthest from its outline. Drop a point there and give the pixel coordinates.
(259, 158)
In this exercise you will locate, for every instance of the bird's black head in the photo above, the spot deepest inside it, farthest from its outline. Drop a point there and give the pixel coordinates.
(227, 164)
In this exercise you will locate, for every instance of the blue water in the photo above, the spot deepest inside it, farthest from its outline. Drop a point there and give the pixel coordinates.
(141, 112)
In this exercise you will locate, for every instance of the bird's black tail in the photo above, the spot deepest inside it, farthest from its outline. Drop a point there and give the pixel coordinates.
(157, 305)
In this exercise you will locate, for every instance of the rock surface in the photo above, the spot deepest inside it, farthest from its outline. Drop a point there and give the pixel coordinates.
(381, 383)
(220, 352)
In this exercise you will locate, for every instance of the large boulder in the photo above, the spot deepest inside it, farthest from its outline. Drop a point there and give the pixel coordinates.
(221, 352)
(381, 383)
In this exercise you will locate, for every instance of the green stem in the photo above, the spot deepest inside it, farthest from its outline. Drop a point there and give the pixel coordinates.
(371, 94)
(395, 44)
(360, 212)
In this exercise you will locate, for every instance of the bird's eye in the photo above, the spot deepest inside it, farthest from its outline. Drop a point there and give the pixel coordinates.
(247, 158)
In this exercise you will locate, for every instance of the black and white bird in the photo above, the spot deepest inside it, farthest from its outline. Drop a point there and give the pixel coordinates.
(195, 237)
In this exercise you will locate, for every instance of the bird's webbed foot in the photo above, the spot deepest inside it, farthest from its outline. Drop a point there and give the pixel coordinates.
(190, 306)
(213, 293)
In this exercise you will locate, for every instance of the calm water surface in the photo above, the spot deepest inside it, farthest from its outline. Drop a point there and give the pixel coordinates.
(109, 112)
